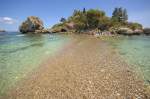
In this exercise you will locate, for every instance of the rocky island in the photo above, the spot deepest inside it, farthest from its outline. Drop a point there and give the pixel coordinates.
(33, 24)
(94, 21)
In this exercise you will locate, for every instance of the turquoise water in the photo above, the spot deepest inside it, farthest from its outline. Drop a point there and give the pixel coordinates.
(20, 54)
(136, 50)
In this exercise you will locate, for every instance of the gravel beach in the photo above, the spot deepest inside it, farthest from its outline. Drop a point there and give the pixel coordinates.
(87, 68)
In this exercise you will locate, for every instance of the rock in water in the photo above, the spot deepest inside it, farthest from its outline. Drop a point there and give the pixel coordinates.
(32, 24)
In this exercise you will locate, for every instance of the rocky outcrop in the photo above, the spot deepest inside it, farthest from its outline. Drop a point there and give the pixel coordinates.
(58, 28)
(32, 24)
(128, 31)
(146, 31)
(125, 31)
(63, 27)
(138, 31)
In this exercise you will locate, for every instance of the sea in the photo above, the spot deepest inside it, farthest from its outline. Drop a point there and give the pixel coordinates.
(22, 53)
(135, 50)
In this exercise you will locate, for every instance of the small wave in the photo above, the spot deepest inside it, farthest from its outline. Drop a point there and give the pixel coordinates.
(20, 35)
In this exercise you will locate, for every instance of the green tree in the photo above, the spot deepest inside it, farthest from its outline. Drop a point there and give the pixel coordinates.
(120, 15)
(89, 19)
(62, 20)
(125, 15)
(79, 19)
(93, 17)
(84, 10)
(104, 23)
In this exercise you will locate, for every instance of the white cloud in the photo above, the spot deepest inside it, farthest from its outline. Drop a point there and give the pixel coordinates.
(7, 20)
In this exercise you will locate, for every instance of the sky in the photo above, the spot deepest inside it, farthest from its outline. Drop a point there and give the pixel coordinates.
(14, 12)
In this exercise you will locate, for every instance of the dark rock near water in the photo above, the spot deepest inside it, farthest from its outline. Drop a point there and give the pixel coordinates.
(67, 27)
(147, 31)
(2, 30)
(59, 30)
(32, 24)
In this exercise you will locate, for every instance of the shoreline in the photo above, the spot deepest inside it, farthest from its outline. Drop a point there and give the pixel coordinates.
(78, 73)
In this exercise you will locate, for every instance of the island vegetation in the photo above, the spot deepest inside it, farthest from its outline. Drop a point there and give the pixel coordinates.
(94, 21)
(91, 21)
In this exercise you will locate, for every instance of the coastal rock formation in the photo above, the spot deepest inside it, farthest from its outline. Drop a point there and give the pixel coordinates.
(146, 31)
(125, 31)
(66, 27)
(59, 28)
(32, 24)
(128, 31)
(138, 31)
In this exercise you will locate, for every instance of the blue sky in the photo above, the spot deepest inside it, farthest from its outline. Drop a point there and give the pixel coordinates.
(13, 12)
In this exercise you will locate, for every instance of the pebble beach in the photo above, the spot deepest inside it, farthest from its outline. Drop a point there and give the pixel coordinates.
(86, 68)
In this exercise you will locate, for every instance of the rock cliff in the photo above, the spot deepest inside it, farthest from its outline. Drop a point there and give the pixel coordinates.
(32, 24)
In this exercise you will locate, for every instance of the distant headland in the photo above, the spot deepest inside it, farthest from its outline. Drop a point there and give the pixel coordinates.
(1, 30)
(92, 21)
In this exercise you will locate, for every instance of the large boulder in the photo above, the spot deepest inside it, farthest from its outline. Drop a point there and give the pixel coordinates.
(125, 31)
(32, 24)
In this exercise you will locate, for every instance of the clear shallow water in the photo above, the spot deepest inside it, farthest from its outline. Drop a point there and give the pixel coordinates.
(136, 51)
(20, 54)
